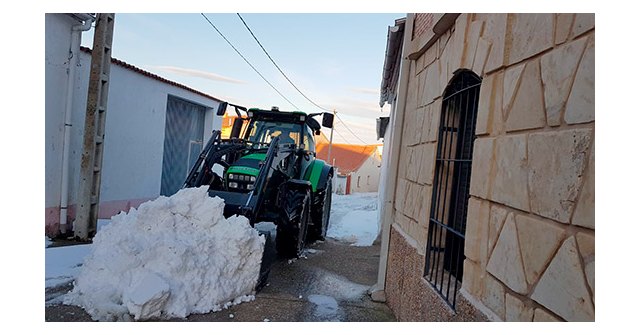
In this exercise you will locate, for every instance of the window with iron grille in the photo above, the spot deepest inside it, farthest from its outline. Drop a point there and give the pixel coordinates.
(450, 195)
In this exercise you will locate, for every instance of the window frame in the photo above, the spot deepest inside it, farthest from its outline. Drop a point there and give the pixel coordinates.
(451, 185)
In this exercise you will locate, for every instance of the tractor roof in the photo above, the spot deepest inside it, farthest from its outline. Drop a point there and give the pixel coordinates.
(284, 116)
(275, 110)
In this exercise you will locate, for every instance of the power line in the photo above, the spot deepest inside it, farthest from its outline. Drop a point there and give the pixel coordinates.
(277, 67)
(352, 133)
(289, 80)
(254, 69)
(344, 139)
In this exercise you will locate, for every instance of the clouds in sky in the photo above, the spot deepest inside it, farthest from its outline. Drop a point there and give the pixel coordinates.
(197, 73)
(365, 90)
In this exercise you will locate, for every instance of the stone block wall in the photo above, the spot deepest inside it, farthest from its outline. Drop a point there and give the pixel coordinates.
(530, 236)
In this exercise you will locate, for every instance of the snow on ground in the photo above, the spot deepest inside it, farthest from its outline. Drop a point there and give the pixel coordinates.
(169, 258)
(62, 265)
(166, 244)
(354, 218)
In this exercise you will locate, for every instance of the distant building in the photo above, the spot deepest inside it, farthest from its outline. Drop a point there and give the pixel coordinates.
(154, 127)
(357, 166)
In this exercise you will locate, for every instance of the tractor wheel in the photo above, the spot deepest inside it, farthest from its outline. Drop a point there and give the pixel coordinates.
(320, 215)
(291, 233)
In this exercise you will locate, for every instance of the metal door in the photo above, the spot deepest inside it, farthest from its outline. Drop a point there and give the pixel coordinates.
(183, 132)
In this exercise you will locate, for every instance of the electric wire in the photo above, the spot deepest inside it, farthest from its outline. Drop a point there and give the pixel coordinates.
(278, 67)
(253, 67)
(289, 80)
(349, 129)
(343, 138)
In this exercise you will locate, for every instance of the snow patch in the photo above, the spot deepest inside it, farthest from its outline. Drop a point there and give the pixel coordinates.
(331, 284)
(326, 308)
(63, 264)
(358, 228)
(172, 257)
(354, 218)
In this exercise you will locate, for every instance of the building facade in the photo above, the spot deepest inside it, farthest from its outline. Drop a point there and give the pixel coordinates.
(154, 128)
(488, 209)
(357, 166)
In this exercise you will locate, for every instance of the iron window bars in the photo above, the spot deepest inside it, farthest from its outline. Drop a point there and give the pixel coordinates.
(450, 195)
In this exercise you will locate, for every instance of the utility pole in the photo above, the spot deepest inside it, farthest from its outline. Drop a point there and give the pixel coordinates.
(92, 149)
(331, 137)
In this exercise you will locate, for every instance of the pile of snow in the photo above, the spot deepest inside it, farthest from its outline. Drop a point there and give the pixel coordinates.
(169, 258)
(354, 218)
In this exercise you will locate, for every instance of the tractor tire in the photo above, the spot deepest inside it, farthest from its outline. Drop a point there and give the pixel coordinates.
(291, 234)
(320, 215)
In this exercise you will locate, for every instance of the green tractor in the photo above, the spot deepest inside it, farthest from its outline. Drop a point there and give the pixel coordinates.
(268, 171)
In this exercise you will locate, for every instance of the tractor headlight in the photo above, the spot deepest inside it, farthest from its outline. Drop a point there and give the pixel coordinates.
(241, 181)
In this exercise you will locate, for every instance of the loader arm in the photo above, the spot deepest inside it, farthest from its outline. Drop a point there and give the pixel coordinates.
(272, 164)
(212, 154)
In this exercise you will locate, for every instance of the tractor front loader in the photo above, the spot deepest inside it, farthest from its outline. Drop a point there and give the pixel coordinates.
(267, 171)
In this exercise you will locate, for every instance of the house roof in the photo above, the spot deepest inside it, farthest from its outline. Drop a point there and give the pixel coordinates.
(348, 157)
(153, 76)
(391, 68)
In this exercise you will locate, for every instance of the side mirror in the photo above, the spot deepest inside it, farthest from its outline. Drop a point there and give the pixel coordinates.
(222, 108)
(327, 120)
(236, 128)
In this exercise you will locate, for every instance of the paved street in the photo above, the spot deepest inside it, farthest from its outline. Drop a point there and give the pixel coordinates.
(330, 284)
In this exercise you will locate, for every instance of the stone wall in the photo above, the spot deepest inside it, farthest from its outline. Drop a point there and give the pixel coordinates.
(410, 296)
(530, 236)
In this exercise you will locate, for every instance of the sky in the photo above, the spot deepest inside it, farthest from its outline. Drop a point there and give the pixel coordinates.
(335, 60)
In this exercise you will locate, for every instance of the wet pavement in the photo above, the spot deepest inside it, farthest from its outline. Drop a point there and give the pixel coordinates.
(329, 283)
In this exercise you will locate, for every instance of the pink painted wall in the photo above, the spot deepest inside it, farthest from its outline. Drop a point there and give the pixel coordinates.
(106, 211)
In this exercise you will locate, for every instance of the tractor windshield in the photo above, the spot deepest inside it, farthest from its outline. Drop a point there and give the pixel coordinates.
(261, 132)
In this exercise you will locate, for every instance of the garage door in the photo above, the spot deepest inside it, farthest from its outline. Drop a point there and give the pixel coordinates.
(182, 142)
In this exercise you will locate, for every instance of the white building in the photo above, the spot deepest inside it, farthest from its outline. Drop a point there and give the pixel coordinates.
(154, 127)
(357, 166)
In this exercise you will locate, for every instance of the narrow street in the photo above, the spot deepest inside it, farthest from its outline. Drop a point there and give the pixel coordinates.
(330, 284)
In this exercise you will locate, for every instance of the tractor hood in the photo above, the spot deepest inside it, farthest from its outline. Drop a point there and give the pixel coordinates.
(248, 165)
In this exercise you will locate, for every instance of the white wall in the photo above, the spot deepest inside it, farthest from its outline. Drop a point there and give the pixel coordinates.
(57, 44)
(339, 184)
(370, 170)
(134, 129)
(384, 169)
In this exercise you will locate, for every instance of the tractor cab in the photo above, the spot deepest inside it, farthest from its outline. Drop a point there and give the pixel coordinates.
(294, 131)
